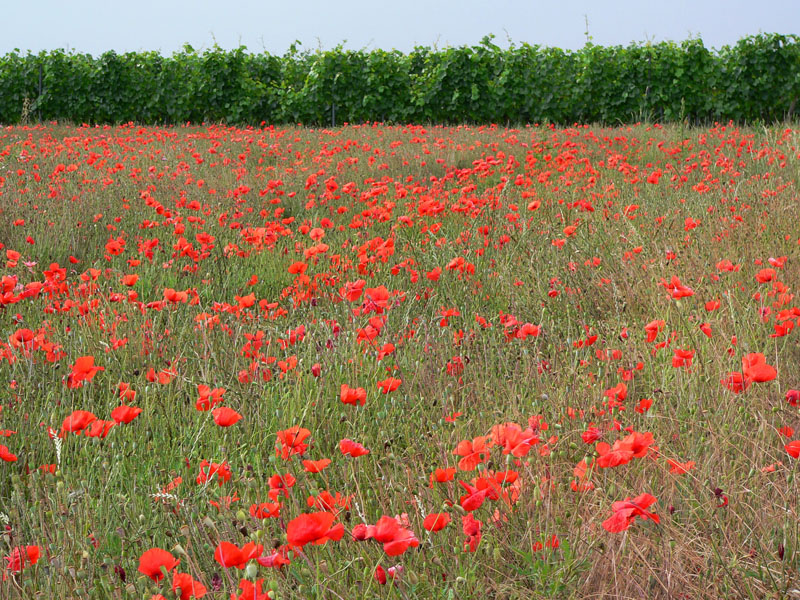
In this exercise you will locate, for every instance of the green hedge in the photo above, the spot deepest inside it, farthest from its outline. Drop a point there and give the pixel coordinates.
(758, 79)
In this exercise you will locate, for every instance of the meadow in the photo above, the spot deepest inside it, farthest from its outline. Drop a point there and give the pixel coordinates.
(399, 362)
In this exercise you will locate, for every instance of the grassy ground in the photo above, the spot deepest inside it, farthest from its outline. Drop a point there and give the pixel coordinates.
(564, 318)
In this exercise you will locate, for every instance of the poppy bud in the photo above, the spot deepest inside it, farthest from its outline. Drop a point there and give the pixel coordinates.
(360, 532)
(380, 575)
(120, 572)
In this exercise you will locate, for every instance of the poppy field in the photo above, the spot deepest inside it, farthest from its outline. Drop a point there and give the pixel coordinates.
(399, 362)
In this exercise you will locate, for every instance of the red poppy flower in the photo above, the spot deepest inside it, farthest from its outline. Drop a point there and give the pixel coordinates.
(436, 521)
(618, 393)
(638, 443)
(189, 588)
(313, 528)
(316, 466)
(680, 468)
(229, 555)
(208, 397)
(174, 296)
(765, 275)
(126, 392)
(83, 370)
(513, 439)
(528, 329)
(472, 529)
(245, 301)
(290, 441)
(278, 558)
(472, 453)
(22, 338)
(125, 413)
(442, 475)
(793, 448)
(653, 328)
(77, 421)
(225, 417)
(208, 470)
(682, 358)
(626, 511)
(351, 448)
(251, 591)
(581, 471)
(755, 368)
(591, 435)
(151, 561)
(352, 396)
(298, 268)
(390, 384)
(265, 510)
(736, 382)
(377, 299)
(353, 290)
(280, 485)
(21, 557)
(676, 289)
(474, 498)
(395, 538)
(6, 455)
(98, 428)
(612, 457)
(328, 502)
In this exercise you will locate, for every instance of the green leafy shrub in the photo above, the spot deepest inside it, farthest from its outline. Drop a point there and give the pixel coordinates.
(755, 80)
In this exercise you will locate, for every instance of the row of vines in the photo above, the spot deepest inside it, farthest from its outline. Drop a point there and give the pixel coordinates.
(757, 79)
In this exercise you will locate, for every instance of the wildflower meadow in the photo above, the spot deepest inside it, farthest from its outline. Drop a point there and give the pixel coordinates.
(386, 361)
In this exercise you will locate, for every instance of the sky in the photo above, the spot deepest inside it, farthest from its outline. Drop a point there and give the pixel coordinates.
(94, 27)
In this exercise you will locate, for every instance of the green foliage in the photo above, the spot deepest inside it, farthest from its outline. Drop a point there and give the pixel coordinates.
(18, 82)
(457, 84)
(755, 80)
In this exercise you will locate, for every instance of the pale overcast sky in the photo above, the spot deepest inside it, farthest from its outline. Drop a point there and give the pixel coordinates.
(165, 25)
